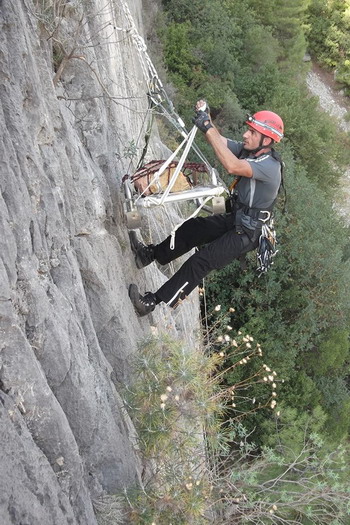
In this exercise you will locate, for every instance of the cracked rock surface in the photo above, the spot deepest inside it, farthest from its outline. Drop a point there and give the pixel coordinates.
(68, 333)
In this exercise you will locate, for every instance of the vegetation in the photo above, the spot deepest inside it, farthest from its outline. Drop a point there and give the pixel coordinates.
(329, 36)
(178, 397)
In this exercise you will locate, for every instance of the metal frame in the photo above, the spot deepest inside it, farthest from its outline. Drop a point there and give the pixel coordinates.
(214, 189)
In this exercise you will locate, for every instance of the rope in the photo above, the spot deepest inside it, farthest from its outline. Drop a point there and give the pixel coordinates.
(205, 313)
(156, 93)
(189, 140)
(162, 169)
(138, 140)
(155, 85)
(147, 66)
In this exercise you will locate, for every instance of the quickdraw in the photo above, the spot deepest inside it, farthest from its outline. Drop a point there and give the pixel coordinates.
(267, 247)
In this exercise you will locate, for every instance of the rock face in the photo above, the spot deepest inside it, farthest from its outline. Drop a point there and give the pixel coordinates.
(73, 107)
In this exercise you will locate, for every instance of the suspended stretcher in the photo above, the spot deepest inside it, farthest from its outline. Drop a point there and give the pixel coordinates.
(167, 181)
(161, 182)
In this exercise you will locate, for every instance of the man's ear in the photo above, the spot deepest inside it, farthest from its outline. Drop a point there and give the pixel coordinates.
(268, 142)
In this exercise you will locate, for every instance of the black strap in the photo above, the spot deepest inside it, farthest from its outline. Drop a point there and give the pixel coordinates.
(255, 212)
(277, 156)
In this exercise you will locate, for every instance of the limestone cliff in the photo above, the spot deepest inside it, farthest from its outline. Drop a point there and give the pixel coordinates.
(72, 104)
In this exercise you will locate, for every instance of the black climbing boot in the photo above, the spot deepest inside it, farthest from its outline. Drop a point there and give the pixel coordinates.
(143, 304)
(144, 254)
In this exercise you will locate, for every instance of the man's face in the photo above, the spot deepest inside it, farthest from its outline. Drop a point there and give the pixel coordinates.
(251, 139)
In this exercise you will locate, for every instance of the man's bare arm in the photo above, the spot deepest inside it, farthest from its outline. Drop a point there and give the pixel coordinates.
(229, 161)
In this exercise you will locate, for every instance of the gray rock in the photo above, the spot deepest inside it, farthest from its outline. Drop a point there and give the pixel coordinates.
(68, 332)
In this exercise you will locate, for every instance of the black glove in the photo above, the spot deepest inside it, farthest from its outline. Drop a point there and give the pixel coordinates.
(202, 121)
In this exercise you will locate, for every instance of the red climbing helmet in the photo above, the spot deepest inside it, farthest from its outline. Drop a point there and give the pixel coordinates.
(267, 123)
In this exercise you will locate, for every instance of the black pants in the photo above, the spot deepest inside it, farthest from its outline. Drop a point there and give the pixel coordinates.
(222, 246)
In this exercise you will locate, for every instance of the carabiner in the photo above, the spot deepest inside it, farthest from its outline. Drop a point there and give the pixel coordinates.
(268, 215)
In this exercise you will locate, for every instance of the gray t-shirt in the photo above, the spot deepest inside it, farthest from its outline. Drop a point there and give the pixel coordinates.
(261, 189)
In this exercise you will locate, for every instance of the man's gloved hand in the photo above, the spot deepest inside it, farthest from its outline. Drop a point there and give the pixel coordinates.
(202, 121)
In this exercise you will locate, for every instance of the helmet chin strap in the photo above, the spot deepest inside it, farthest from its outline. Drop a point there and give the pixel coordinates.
(261, 145)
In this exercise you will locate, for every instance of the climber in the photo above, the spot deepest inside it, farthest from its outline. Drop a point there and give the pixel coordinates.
(228, 236)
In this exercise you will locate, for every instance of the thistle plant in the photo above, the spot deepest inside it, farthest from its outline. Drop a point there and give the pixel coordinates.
(169, 407)
(243, 376)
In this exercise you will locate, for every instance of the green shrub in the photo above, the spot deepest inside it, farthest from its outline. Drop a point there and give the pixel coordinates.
(178, 402)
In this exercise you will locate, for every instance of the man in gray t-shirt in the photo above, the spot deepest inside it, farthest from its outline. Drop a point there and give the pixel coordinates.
(257, 171)
(261, 189)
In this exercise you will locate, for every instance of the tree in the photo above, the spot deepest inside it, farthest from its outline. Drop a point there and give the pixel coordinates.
(329, 36)
(332, 357)
(287, 21)
(296, 479)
